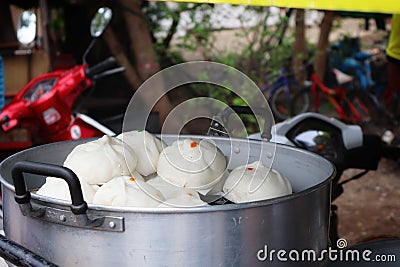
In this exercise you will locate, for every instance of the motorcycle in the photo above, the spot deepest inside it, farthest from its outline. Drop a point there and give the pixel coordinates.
(42, 112)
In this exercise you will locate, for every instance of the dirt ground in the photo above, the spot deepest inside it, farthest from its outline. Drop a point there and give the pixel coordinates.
(370, 206)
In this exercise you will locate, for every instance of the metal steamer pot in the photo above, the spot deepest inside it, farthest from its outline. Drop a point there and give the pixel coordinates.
(216, 235)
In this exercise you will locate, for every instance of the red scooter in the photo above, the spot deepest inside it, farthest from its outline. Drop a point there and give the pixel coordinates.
(42, 111)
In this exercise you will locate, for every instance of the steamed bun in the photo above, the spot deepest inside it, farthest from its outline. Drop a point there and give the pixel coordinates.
(191, 164)
(58, 188)
(255, 182)
(98, 161)
(128, 191)
(147, 148)
(170, 191)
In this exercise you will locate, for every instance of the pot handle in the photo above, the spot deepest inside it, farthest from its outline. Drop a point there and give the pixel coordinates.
(23, 196)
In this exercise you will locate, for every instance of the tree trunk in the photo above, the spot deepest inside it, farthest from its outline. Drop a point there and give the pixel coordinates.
(323, 43)
(118, 52)
(300, 50)
(146, 62)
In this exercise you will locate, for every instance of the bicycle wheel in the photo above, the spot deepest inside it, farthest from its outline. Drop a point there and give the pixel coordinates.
(280, 100)
(388, 101)
(363, 108)
(305, 101)
(301, 102)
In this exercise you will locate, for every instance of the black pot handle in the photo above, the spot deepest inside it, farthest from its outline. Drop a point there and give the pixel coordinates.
(22, 196)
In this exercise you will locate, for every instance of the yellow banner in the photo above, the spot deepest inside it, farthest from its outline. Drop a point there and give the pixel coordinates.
(381, 6)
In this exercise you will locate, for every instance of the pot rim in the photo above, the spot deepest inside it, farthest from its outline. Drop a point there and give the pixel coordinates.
(199, 209)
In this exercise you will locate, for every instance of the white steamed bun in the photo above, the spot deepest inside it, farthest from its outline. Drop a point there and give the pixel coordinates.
(58, 188)
(147, 148)
(170, 191)
(98, 161)
(191, 164)
(128, 191)
(255, 182)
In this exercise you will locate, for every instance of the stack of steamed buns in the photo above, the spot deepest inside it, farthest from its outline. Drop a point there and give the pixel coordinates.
(137, 169)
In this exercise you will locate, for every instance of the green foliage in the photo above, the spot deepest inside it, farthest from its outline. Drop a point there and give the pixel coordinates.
(57, 27)
(163, 21)
(262, 48)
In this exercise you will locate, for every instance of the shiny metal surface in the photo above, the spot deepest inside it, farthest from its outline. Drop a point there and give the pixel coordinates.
(225, 235)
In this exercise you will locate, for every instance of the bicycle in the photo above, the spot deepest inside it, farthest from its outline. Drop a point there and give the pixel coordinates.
(279, 89)
(369, 72)
(385, 98)
(346, 56)
(354, 106)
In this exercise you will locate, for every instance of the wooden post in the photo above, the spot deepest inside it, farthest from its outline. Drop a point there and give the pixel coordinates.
(300, 50)
(43, 23)
(323, 43)
(8, 38)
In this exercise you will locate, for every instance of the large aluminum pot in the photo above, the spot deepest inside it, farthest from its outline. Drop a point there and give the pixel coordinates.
(219, 235)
